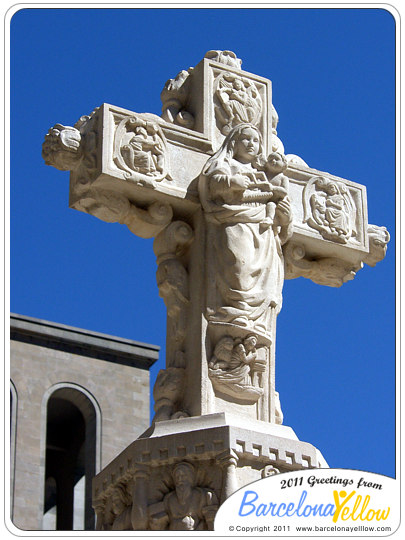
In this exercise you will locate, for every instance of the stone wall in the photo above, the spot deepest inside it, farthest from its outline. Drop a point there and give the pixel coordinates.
(112, 373)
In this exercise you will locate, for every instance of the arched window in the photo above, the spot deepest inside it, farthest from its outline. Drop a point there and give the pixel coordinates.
(71, 458)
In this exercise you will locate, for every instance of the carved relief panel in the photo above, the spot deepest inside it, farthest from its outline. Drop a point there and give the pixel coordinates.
(215, 96)
(237, 367)
(235, 97)
(329, 208)
(236, 101)
(181, 496)
(140, 150)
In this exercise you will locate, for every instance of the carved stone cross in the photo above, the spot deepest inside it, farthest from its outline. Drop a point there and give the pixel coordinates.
(232, 217)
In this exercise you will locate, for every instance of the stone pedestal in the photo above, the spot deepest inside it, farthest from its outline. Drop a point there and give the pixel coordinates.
(225, 452)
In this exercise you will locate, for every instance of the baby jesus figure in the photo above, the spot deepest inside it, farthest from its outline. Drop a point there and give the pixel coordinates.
(275, 167)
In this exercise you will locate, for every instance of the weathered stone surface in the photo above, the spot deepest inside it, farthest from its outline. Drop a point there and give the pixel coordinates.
(232, 217)
(226, 454)
(45, 356)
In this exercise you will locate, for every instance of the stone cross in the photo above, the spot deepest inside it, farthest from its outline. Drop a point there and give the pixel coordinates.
(232, 217)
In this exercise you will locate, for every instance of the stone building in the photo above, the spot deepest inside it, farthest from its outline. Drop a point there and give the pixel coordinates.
(69, 390)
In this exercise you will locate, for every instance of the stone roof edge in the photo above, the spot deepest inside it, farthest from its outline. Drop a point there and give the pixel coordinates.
(143, 354)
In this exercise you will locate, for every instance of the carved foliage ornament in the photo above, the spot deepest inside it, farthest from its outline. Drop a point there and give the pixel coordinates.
(140, 151)
(329, 208)
(236, 101)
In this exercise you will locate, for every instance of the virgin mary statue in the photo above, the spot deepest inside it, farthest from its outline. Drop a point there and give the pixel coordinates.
(245, 267)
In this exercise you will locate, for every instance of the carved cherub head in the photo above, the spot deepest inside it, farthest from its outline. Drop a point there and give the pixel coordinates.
(276, 162)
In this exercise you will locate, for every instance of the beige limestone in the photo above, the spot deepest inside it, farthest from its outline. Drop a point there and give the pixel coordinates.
(38, 367)
(232, 217)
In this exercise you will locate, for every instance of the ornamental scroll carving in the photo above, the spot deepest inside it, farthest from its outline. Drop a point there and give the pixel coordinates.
(329, 208)
(269, 470)
(329, 271)
(114, 207)
(236, 101)
(174, 98)
(140, 151)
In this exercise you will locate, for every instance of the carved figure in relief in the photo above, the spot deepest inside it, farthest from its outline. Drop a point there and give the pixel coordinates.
(121, 508)
(167, 393)
(330, 209)
(187, 507)
(275, 167)
(144, 153)
(172, 280)
(245, 263)
(238, 101)
(236, 367)
(140, 150)
(114, 512)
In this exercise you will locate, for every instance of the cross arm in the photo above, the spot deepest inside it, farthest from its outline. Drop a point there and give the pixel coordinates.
(141, 171)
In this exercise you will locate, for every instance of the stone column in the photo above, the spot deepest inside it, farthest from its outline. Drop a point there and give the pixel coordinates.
(139, 513)
(228, 462)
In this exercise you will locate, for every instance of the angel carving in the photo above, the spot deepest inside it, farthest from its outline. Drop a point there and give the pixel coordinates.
(329, 208)
(237, 101)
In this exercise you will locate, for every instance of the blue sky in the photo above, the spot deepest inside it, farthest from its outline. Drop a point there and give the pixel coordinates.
(333, 74)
